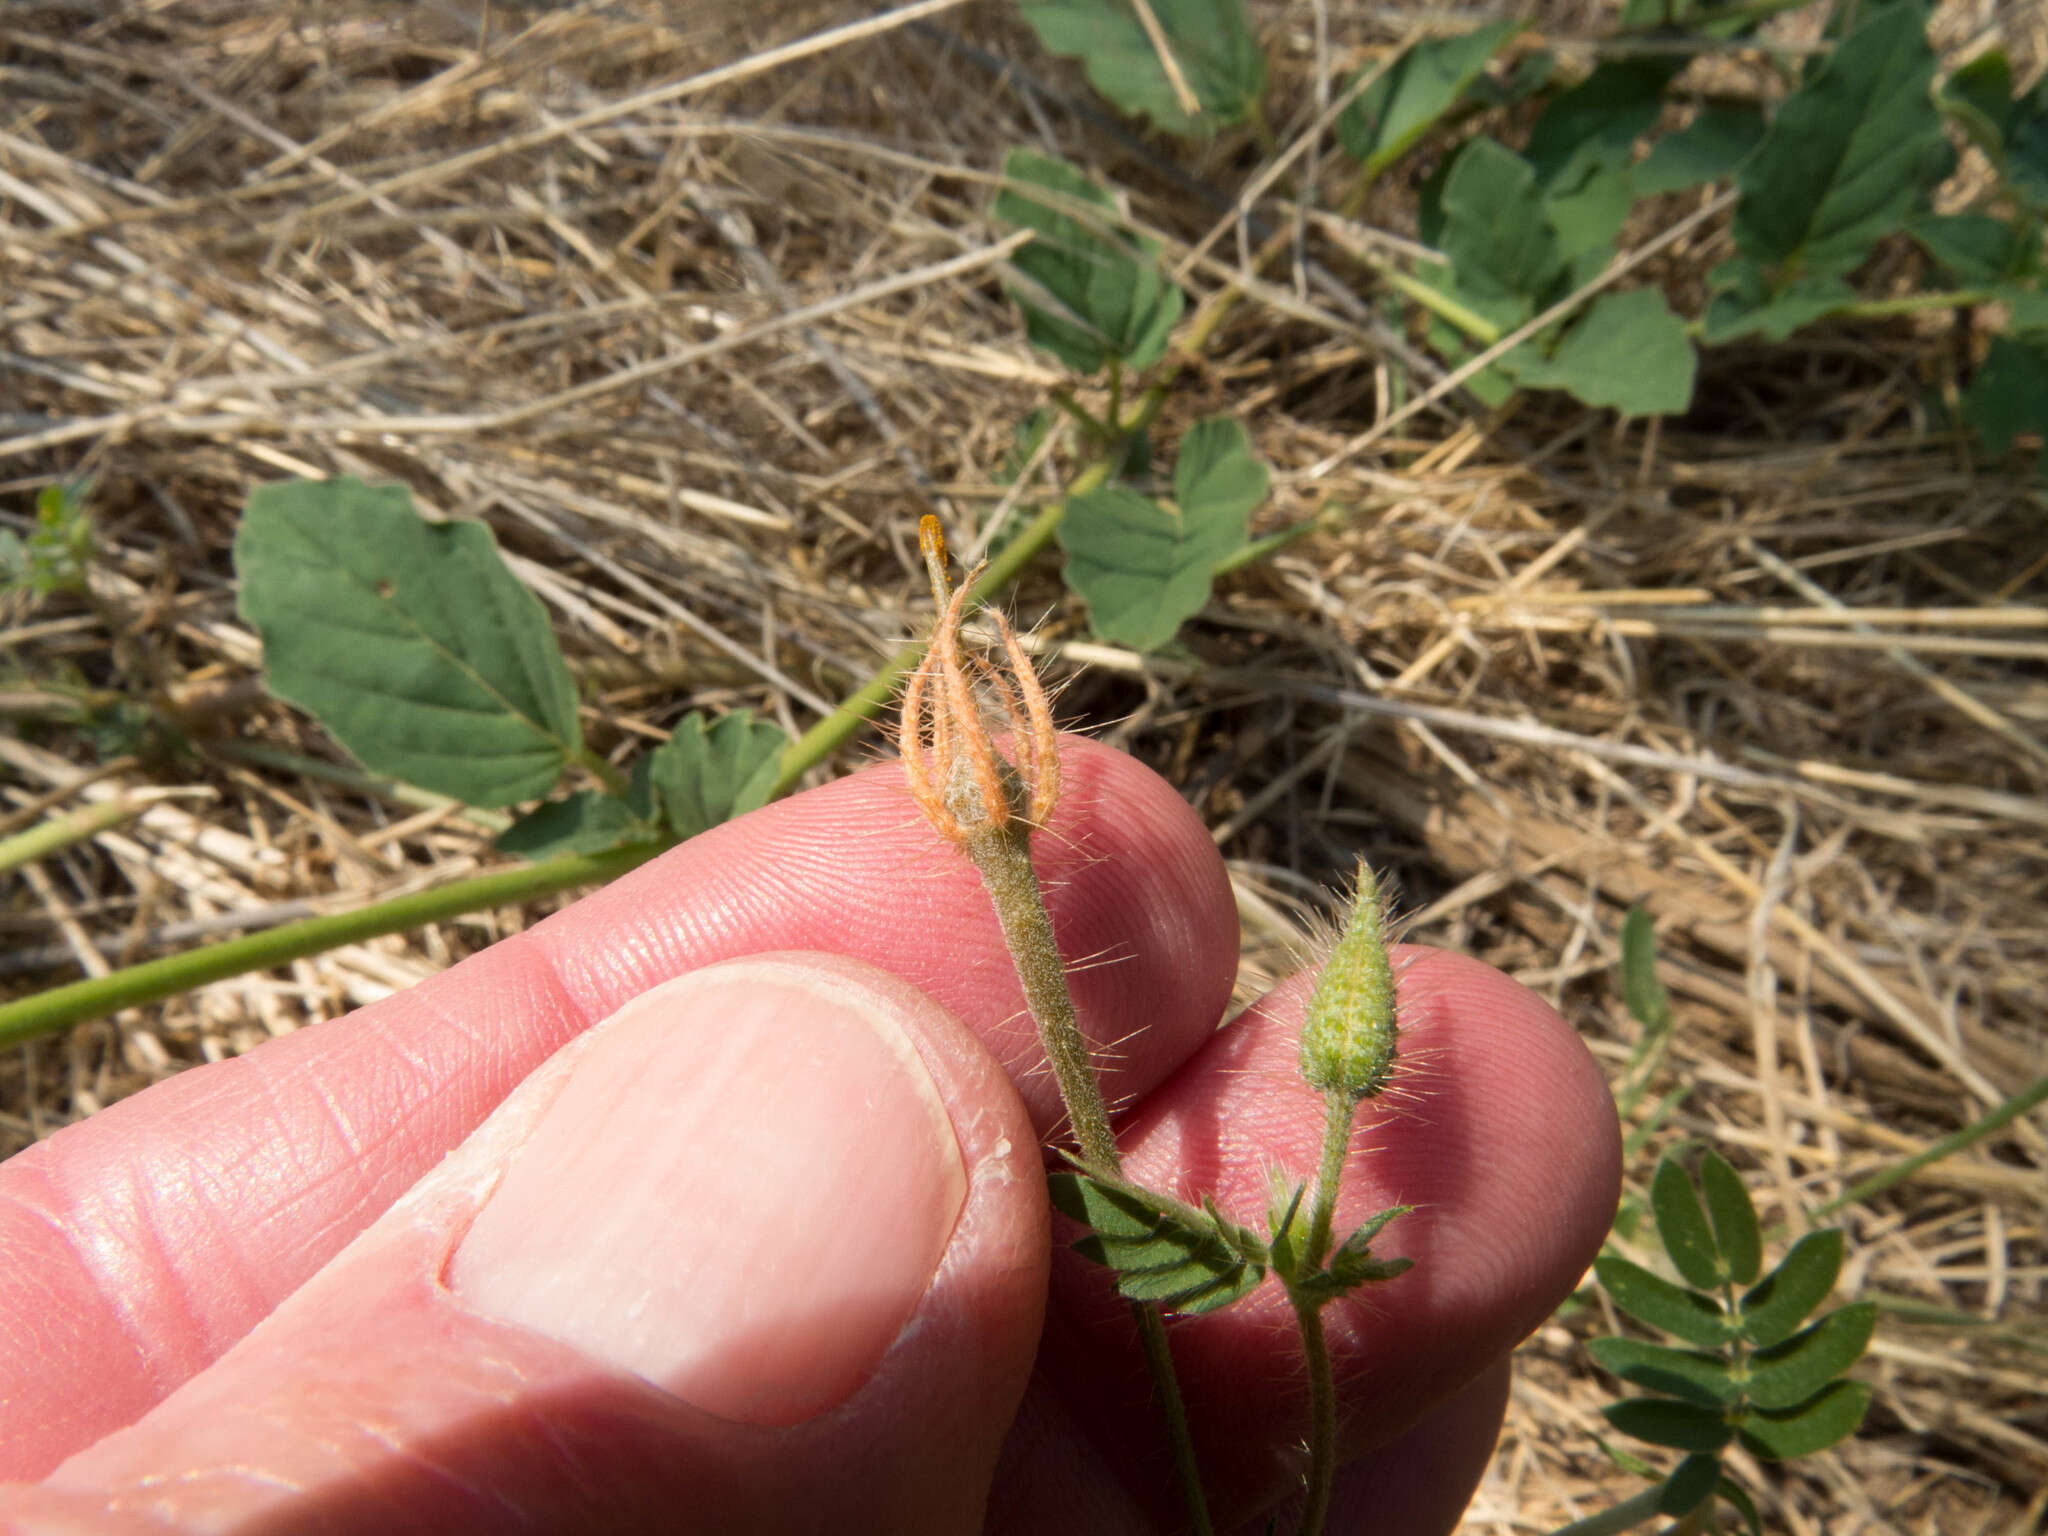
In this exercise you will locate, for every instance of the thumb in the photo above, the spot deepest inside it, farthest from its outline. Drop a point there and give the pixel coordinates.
(765, 1251)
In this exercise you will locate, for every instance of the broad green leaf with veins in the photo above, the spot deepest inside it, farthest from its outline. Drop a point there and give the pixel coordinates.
(411, 641)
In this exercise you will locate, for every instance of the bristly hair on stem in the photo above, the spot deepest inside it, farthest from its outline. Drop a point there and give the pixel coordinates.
(986, 804)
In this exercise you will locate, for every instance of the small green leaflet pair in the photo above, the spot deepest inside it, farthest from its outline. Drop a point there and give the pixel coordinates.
(1168, 1252)
(1093, 296)
(421, 652)
(1757, 1372)
(54, 555)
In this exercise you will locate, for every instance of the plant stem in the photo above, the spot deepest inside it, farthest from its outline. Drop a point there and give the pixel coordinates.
(1093, 427)
(47, 837)
(1003, 856)
(2027, 1098)
(151, 982)
(1322, 1440)
(1622, 1517)
(1159, 1362)
(1338, 1111)
(610, 777)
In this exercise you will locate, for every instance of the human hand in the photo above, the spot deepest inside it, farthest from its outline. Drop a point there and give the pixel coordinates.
(770, 1251)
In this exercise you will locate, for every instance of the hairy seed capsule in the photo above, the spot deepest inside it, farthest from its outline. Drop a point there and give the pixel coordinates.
(1347, 1035)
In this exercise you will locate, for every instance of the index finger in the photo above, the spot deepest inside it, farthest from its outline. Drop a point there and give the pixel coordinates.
(143, 1243)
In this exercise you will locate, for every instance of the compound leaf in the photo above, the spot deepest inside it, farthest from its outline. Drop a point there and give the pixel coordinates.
(1848, 153)
(1212, 41)
(1417, 89)
(1683, 1225)
(586, 822)
(411, 641)
(1715, 145)
(1776, 1305)
(1793, 1371)
(1829, 1416)
(1090, 287)
(1661, 1421)
(1628, 351)
(1682, 1373)
(1652, 1299)
(1734, 1219)
(703, 775)
(1162, 1251)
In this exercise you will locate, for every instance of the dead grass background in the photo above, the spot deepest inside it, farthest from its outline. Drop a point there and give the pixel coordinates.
(1773, 670)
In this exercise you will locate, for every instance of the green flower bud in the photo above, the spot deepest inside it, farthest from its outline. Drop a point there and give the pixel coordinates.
(1347, 1035)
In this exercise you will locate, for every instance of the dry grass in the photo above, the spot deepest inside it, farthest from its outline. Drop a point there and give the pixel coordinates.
(699, 327)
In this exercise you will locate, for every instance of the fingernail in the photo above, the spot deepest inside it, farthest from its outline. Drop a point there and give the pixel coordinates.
(740, 1194)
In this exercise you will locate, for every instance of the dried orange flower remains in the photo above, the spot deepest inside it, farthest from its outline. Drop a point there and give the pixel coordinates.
(959, 780)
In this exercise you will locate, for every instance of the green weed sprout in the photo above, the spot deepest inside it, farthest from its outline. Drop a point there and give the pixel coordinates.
(1756, 1372)
(1166, 1254)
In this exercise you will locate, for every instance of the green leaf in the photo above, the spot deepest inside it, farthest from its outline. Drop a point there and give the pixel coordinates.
(586, 822)
(1776, 1305)
(1217, 477)
(1090, 289)
(1980, 95)
(1974, 247)
(1599, 119)
(1682, 1373)
(1628, 351)
(1495, 231)
(1527, 77)
(2026, 143)
(706, 775)
(1828, 1417)
(1287, 1224)
(2027, 307)
(1847, 155)
(1683, 1225)
(1211, 40)
(1353, 1265)
(412, 642)
(1586, 211)
(1719, 140)
(1660, 1421)
(1417, 89)
(1744, 303)
(2009, 395)
(1654, 1300)
(1689, 1486)
(1144, 569)
(1162, 1250)
(1734, 1218)
(1745, 1506)
(1641, 991)
(1793, 1371)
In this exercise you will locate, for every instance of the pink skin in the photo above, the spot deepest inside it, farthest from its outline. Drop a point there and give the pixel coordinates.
(145, 1244)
